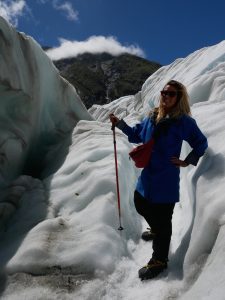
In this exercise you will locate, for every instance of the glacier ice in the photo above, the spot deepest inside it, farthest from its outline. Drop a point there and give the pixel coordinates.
(63, 228)
(38, 110)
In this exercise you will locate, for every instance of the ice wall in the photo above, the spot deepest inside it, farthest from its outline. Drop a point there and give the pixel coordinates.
(202, 72)
(38, 108)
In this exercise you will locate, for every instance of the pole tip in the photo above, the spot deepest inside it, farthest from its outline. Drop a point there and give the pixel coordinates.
(120, 228)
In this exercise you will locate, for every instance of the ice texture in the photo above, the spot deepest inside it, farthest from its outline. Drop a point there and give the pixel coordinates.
(38, 110)
(59, 232)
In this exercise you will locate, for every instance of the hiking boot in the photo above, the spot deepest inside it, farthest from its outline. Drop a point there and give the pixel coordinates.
(148, 235)
(152, 269)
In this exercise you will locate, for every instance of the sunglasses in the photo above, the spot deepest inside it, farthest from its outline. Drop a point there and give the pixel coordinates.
(168, 93)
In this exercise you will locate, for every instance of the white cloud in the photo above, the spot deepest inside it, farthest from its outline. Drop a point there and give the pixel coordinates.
(94, 44)
(11, 10)
(66, 7)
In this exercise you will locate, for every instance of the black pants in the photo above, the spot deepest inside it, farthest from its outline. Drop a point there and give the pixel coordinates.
(159, 218)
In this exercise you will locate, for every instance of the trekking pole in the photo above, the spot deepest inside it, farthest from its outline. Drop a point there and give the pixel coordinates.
(117, 177)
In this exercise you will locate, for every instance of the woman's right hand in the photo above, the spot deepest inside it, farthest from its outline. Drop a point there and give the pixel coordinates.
(114, 120)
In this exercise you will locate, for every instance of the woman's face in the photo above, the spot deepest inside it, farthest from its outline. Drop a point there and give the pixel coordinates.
(168, 97)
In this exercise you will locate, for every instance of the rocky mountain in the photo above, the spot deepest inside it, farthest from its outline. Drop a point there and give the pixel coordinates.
(102, 78)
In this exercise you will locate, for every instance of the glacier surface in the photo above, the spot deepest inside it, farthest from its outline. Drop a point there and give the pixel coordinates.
(59, 237)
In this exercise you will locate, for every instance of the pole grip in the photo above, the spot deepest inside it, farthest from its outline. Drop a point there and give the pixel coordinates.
(113, 127)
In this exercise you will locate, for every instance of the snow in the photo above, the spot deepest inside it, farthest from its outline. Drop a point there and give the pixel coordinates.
(58, 234)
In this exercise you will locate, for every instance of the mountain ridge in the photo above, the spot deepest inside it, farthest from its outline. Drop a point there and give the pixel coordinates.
(102, 78)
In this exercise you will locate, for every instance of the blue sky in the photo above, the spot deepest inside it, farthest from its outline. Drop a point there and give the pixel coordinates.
(159, 30)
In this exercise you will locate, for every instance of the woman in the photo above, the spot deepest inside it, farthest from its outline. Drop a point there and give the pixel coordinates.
(157, 188)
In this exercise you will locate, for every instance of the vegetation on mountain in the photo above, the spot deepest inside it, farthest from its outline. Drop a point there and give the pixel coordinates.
(102, 78)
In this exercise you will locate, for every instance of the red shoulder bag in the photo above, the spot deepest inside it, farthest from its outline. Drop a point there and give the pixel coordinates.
(141, 154)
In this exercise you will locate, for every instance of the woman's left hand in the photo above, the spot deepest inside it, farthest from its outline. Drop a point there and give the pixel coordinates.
(178, 162)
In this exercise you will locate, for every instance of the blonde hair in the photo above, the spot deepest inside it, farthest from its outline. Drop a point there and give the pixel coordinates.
(181, 107)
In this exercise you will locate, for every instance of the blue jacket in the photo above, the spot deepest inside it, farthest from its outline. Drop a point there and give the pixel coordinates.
(159, 180)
